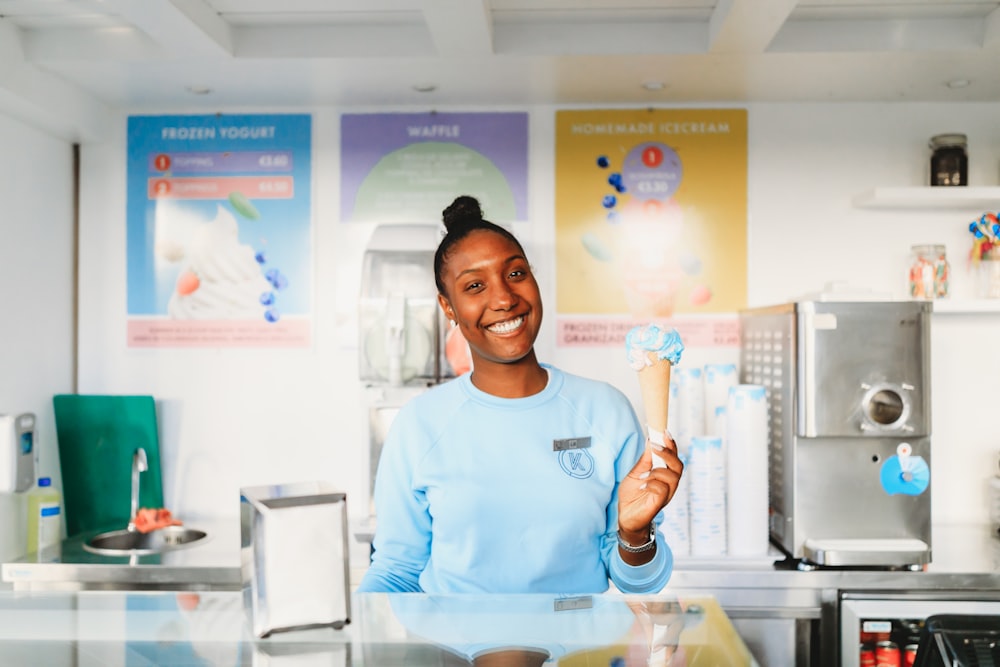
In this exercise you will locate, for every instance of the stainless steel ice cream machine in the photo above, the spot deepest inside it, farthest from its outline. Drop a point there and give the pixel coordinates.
(850, 428)
(401, 327)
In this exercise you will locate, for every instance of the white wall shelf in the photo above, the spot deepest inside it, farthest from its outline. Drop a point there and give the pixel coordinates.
(914, 197)
(966, 306)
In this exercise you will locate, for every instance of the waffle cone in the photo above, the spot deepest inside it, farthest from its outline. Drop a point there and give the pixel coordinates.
(654, 385)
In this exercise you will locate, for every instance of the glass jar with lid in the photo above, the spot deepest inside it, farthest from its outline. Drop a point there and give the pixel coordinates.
(949, 160)
(930, 271)
(989, 274)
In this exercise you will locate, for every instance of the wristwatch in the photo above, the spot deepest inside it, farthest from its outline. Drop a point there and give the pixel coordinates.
(625, 546)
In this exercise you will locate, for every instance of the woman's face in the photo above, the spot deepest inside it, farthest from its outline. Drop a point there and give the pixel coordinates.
(493, 297)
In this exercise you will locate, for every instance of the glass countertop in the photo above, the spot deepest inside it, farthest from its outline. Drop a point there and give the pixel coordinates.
(175, 629)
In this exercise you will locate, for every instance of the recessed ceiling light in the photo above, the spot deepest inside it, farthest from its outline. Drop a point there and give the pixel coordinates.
(957, 83)
(425, 87)
(653, 85)
(199, 90)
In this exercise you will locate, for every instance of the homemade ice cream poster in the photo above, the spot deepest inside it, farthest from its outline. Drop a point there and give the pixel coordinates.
(407, 167)
(219, 231)
(651, 222)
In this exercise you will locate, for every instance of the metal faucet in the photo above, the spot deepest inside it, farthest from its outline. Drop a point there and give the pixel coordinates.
(139, 464)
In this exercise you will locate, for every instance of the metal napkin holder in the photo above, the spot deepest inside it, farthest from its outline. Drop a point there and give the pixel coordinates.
(294, 557)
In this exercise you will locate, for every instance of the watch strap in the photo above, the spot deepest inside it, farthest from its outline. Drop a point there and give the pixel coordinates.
(641, 548)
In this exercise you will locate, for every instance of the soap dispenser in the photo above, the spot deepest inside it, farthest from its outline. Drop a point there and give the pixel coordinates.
(17, 452)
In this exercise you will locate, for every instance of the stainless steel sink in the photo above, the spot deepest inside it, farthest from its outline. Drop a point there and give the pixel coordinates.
(135, 543)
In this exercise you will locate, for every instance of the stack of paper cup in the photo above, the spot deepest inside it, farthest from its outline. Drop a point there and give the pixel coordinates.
(706, 473)
(718, 379)
(690, 401)
(676, 526)
(747, 482)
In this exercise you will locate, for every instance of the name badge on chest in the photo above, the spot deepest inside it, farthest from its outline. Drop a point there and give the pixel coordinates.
(563, 444)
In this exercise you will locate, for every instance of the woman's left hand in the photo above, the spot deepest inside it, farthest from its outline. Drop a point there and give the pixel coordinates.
(646, 490)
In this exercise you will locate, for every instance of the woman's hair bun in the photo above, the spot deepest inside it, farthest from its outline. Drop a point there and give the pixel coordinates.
(465, 210)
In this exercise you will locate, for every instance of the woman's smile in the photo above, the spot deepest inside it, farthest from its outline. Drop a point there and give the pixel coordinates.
(507, 326)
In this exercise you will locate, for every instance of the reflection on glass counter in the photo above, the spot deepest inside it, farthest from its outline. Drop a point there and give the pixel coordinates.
(108, 628)
(578, 631)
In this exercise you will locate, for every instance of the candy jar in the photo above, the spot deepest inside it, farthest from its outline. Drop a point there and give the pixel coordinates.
(929, 271)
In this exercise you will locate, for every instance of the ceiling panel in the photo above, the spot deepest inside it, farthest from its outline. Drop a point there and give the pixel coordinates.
(64, 63)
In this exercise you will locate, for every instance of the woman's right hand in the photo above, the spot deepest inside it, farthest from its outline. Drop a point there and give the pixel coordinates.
(647, 490)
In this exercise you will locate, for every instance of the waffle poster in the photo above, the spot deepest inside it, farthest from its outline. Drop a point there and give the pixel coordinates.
(219, 231)
(408, 167)
(651, 223)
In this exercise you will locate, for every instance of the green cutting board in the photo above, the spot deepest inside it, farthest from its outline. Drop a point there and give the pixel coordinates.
(97, 436)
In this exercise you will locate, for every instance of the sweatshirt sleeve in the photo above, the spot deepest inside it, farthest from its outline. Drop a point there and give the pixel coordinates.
(648, 578)
(403, 529)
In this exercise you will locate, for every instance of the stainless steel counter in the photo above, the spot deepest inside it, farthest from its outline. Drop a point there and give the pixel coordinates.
(966, 557)
(212, 563)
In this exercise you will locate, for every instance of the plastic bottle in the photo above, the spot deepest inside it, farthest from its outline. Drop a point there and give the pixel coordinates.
(44, 520)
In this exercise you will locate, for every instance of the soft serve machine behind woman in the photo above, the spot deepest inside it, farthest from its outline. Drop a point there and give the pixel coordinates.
(401, 331)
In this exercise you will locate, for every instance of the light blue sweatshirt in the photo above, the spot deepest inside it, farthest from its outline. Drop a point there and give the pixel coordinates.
(473, 495)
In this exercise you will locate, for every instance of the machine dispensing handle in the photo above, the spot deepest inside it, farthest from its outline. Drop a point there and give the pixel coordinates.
(395, 336)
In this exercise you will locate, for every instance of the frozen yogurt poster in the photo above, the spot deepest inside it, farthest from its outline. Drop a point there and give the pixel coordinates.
(219, 231)
(407, 167)
(651, 223)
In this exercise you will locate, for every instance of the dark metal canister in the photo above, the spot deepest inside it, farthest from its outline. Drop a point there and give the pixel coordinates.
(949, 160)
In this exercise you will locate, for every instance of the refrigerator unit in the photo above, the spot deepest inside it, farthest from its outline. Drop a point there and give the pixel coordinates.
(886, 628)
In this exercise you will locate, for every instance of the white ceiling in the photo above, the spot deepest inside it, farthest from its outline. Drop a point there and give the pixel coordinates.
(65, 63)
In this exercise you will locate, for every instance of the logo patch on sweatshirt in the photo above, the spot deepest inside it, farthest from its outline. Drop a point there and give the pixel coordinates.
(577, 463)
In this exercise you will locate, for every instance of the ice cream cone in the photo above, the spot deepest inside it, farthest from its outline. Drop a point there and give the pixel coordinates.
(654, 385)
(651, 353)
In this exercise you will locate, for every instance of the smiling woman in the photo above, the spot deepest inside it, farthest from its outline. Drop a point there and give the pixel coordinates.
(485, 286)
(514, 477)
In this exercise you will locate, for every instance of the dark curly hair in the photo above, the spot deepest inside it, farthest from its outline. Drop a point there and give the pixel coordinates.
(461, 218)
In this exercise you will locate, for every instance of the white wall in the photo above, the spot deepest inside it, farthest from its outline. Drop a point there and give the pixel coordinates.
(807, 162)
(237, 417)
(36, 271)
